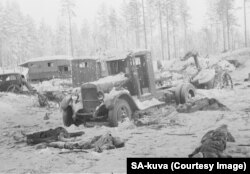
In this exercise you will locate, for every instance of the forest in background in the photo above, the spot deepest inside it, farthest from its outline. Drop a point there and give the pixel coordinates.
(162, 26)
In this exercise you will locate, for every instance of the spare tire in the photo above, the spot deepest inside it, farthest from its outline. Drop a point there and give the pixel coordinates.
(188, 91)
(67, 116)
(177, 94)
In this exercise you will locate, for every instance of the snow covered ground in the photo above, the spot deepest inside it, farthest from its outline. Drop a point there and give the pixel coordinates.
(165, 133)
(53, 85)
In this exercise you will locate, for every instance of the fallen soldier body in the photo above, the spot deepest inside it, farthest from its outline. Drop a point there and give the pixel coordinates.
(51, 135)
(98, 143)
(61, 138)
(201, 105)
(213, 144)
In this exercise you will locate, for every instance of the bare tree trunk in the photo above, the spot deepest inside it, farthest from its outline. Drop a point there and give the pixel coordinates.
(70, 33)
(185, 36)
(232, 40)
(162, 37)
(224, 37)
(1, 58)
(211, 41)
(228, 32)
(151, 34)
(245, 23)
(127, 37)
(137, 32)
(174, 42)
(168, 39)
(116, 40)
(144, 25)
(127, 34)
(217, 37)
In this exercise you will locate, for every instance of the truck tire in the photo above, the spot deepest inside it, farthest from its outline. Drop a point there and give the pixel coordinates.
(177, 94)
(120, 111)
(187, 92)
(14, 89)
(43, 100)
(226, 81)
(223, 80)
(67, 116)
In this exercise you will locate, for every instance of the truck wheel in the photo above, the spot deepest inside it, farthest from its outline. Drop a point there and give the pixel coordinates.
(120, 111)
(226, 81)
(67, 116)
(14, 89)
(177, 94)
(187, 92)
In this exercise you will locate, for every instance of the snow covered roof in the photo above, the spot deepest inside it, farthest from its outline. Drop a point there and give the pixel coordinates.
(86, 58)
(121, 55)
(115, 55)
(4, 74)
(46, 58)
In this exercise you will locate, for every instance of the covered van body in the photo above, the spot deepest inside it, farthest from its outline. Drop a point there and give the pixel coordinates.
(49, 67)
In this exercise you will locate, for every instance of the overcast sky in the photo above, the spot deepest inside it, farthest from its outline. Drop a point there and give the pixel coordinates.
(50, 9)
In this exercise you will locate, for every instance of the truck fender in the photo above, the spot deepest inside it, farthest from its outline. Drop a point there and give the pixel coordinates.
(110, 102)
(66, 102)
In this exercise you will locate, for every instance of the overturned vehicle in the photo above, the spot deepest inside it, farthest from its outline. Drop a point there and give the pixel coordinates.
(213, 77)
(129, 88)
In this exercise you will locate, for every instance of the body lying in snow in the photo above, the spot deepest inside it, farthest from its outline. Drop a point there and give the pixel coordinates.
(61, 138)
(213, 144)
(51, 135)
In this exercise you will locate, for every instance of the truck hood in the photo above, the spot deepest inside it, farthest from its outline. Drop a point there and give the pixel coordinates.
(106, 84)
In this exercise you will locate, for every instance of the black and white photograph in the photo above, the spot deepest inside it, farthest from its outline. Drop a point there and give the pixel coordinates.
(87, 84)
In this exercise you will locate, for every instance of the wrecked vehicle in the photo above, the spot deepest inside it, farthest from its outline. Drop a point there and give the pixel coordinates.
(208, 78)
(13, 82)
(116, 97)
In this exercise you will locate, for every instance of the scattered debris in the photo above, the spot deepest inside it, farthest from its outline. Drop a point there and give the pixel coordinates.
(248, 79)
(213, 144)
(46, 117)
(244, 145)
(56, 96)
(180, 134)
(74, 150)
(244, 129)
(43, 100)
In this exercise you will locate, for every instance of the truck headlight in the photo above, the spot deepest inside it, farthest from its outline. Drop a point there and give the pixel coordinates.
(100, 95)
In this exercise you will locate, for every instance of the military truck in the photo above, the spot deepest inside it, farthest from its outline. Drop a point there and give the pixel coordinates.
(116, 97)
